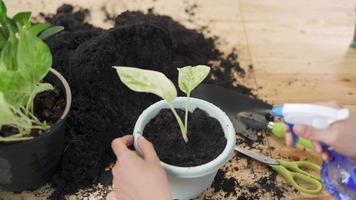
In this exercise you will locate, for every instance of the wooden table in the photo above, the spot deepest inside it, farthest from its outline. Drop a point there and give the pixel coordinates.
(299, 51)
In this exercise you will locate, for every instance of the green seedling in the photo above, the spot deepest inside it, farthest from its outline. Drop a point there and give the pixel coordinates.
(24, 61)
(189, 78)
(157, 83)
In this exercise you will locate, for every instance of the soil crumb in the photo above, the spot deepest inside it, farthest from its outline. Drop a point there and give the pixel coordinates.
(228, 185)
(103, 108)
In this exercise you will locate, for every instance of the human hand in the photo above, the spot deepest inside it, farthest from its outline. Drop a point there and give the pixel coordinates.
(340, 135)
(135, 177)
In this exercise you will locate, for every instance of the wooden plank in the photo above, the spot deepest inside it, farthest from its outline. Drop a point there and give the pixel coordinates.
(204, 10)
(299, 36)
(306, 87)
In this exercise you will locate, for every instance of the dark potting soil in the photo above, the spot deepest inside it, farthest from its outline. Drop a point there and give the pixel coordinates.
(48, 106)
(205, 134)
(102, 107)
(228, 185)
(264, 184)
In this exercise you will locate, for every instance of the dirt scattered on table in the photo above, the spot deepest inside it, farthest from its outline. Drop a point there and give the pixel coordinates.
(246, 179)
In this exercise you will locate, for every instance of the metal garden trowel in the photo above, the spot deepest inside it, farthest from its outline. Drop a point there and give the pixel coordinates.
(233, 104)
(248, 115)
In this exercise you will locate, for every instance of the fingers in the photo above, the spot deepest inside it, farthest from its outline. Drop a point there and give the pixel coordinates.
(317, 147)
(319, 135)
(147, 149)
(289, 139)
(333, 104)
(119, 145)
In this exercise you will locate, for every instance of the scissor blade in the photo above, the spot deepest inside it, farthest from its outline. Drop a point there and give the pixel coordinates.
(259, 157)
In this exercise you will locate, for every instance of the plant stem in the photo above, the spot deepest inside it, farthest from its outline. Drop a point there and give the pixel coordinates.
(186, 112)
(14, 139)
(180, 123)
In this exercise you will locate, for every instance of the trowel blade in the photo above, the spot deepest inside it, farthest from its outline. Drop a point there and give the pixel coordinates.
(232, 103)
(255, 121)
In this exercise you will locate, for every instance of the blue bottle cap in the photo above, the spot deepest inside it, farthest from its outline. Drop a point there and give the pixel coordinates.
(277, 111)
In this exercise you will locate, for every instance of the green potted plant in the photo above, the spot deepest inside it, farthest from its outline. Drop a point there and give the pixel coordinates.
(191, 154)
(34, 102)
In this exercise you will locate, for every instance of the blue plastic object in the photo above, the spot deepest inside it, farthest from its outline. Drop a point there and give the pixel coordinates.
(337, 174)
(277, 111)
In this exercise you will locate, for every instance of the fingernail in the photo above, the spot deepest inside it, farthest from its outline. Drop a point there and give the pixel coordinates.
(137, 137)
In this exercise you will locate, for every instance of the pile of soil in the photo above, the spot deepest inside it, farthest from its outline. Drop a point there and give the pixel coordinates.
(205, 134)
(103, 108)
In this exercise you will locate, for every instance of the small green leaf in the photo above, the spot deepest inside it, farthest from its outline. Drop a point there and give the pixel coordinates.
(190, 77)
(42, 87)
(6, 115)
(353, 45)
(149, 81)
(38, 28)
(51, 31)
(23, 18)
(11, 24)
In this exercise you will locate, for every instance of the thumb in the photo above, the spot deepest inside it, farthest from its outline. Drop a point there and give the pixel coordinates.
(147, 149)
(308, 132)
(119, 145)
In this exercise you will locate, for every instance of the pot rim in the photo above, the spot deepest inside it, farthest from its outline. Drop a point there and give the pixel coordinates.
(58, 123)
(68, 93)
(215, 112)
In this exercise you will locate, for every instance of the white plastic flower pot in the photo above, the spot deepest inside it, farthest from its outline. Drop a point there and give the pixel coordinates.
(189, 182)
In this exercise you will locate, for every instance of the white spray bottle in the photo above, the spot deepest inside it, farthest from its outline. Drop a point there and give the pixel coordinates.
(339, 173)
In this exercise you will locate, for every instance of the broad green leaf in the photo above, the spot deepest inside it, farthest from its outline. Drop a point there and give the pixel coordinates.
(6, 78)
(15, 87)
(190, 77)
(353, 45)
(6, 114)
(34, 58)
(149, 81)
(38, 28)
(51, 31)
(8, 57)
(23, 18)
(2, 10)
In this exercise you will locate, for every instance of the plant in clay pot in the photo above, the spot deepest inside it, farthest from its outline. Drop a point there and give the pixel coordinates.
(34, 100)
(192, 151)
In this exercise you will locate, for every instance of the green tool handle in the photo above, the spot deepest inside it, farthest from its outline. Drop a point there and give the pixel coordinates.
(293, 177)
(278, 129)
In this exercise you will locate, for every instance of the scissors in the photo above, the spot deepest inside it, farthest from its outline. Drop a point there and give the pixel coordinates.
(291, 171)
